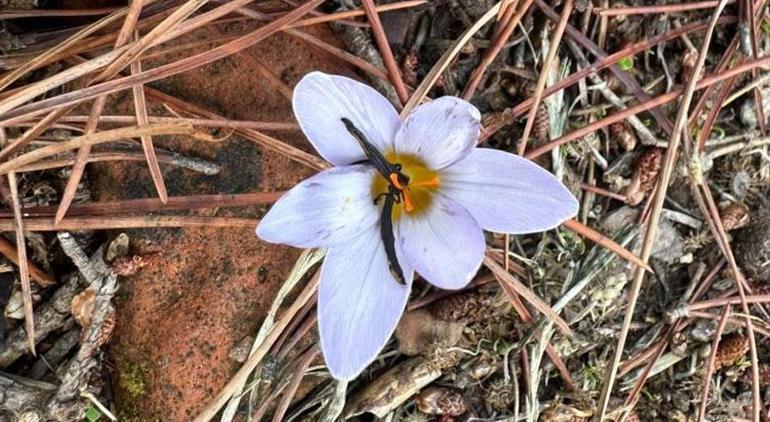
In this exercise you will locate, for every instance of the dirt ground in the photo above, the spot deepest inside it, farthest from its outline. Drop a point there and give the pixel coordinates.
(203, 290)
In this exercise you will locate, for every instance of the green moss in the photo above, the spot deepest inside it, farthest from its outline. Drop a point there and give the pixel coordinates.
(131, 378)
(626, 63)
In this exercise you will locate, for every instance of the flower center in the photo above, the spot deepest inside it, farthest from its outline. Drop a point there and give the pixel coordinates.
(417, 194)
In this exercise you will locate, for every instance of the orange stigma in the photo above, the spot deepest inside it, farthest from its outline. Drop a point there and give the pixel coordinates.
(414, 182)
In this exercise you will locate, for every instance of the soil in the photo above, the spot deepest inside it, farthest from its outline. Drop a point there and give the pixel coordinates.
(203, 290)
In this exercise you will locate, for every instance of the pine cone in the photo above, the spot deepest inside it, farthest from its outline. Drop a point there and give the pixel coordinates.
(441, 401)
(645, 176)
(731, 348)
(752, 247)
(464, 307)
(734, 216)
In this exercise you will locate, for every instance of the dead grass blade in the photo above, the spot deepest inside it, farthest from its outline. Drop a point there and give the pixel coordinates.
(604, 242)
(8, 250)
(96, 110)
(153, 205)
(235, 124)
(38, 13)
(297, 374)
(509, 280)
(94, 139)
(306, 261)
(340, 53)
(129, 222)
(553, 49)
(712, 362)
(657, 9)
(81, 159)
(126, 57)
(746, 66)
(26, 289)
(33, 132)
(154, 74)
(652, 226)
(42, 59)
(331, 17)
(491, 53)
(140, 107)
(260, 138)
(194, 164)
(435, 72)
(256, 357)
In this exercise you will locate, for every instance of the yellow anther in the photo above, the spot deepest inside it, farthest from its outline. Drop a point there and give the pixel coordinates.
(430, 183)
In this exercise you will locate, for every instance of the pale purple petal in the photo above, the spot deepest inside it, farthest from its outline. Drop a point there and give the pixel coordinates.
(332, 206)
(359, 303)
(444, 243)
(440, 132)
(321, 100)
(508, 194)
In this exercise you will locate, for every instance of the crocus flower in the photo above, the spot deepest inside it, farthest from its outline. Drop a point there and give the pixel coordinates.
(449, 191)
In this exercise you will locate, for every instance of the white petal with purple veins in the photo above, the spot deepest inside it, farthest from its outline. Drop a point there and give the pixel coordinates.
(508, 194)
(330, 207)
(321, 100)
(444, 243)
(440, 132)
(359, 303)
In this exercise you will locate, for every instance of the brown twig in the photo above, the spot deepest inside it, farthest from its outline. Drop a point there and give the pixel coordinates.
(235, 124)
(521, 108)
(94, 139)
(387, 55)
(153, 205)
(713, 303)
(491, 53)
(147, 76)
(96, 110)
(256, 357)
(331, 17)
(644, 106)
(603, 192)
(658, 8)
(140, 109)
(604, 242)
(297, 374)
(509, 280)
(252, 135)
(197, 165)
(58, 13)
(9, 250)
(652, 226)
(435, 72)
(712, 363)
(130, 222)
(553, 49)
